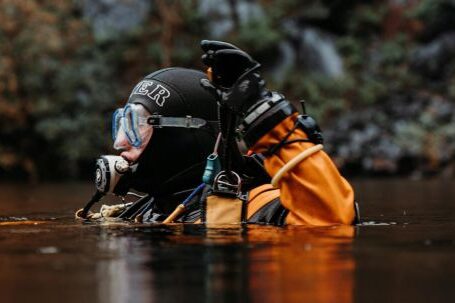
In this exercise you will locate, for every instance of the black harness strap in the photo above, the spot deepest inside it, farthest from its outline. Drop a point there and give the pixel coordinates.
(271, 213)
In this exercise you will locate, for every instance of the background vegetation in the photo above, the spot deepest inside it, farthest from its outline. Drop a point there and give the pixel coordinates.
(379, 75)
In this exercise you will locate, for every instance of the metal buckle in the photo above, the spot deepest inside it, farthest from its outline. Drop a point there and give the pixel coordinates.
(224, 184)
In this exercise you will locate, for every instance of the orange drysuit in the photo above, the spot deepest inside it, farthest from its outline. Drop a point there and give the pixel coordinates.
(313, 192)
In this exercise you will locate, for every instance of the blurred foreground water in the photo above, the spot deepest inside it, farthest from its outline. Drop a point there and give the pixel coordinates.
(403, 252)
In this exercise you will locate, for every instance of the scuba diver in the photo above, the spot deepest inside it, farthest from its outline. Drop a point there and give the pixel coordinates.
(219, 148)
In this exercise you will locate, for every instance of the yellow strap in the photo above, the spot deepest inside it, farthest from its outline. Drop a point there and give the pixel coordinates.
(294, 161)
(177, 212)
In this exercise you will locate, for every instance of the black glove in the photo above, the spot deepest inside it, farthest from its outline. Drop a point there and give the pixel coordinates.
(228, 63)
(235, 80)
(238, 87)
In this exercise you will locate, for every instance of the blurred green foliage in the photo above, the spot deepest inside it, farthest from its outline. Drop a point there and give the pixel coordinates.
(59, 83)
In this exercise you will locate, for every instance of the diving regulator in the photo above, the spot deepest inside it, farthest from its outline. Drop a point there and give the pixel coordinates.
(112, 176)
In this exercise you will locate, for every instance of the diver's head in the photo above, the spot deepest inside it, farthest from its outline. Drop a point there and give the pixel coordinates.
(168, 127)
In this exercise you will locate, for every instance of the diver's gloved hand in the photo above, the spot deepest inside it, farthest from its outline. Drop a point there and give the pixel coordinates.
(233, 75)
(227, 62)
(236, 83)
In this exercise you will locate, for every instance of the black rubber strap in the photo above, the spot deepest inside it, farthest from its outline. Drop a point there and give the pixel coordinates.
(271, 213)
(265, 123)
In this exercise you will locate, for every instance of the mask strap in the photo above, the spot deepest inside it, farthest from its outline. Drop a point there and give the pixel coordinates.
(159, 121)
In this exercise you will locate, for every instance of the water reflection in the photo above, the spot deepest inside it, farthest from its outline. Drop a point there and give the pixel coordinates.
(405, 255)
(121, 277)
(250, 264)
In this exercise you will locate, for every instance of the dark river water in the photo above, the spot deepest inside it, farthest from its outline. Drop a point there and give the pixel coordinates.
(403, 252)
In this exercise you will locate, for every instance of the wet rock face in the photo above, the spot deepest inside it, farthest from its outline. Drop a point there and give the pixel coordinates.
(111, 17)
(404, 135)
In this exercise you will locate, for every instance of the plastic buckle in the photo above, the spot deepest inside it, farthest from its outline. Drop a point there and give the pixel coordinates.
(154, 121)
(188, 121)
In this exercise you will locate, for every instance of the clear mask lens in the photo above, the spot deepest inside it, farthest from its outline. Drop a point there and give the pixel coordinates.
(116, 120)
(129, 126)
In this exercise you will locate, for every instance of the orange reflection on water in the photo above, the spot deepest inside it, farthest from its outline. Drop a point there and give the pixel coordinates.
(25, 222)
(304, 264)
(291, 264)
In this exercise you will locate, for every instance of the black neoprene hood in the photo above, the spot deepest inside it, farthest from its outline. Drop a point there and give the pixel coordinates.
(175, 92)
(174, 158)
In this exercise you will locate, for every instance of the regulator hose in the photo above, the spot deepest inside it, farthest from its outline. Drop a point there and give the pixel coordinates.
(82, 213)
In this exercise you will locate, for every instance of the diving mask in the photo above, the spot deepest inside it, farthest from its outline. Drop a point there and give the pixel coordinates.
(129, 125)
(134, 124)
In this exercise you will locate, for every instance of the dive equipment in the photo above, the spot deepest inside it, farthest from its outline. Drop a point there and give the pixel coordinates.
(224, 210)
(130, 122)
(293, 162)
(263, 117)
(173, 161)
(181, 208)
(135, 122)
(235, 83)
(309, 126)
(109, 171)
(225, 204)
(226, 62)
(213, 165)
(227, 183)
(108, 179)
(270, 111)
(159, 121)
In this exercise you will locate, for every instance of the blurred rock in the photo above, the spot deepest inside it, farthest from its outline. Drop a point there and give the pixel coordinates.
(318, 53)
(111, 17)
(284, 63)
(313, 49)
(410, 134)
(316, 50)
(438, 18)
(222, 15)
(432, 59)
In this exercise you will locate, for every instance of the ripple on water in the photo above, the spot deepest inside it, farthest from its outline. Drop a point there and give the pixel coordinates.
(374, 223)
(3, 219)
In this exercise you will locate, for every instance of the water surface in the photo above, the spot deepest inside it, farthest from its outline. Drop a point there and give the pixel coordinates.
(404, 252)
